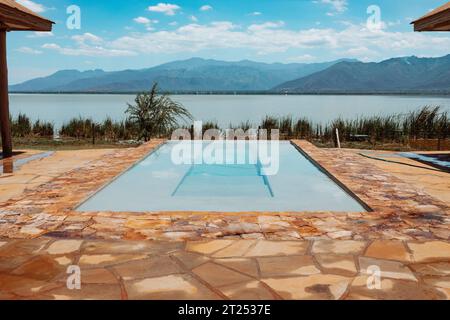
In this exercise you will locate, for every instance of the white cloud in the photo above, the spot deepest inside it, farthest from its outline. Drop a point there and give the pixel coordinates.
(270, 37)
(193, 18)
(142, 20)
(33, 6)
(28, 50)
(338, 6)
(302, 58)
(206, 7)
(90, 45)
(350, 40)
(266, 25)
(40, 35)
(89, 51)
(166, 8)
(87, 37)
(255, 13)
(147, 22)
(173, 23)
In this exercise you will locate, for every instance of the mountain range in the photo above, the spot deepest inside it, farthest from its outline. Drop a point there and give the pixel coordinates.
(408, 74)
(402, 75)
(188, 75)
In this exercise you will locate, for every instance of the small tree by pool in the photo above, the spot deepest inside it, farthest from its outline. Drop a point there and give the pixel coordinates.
(156, 115)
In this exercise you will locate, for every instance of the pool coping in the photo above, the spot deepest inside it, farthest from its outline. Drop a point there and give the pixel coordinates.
(399, 210)
(333, 178)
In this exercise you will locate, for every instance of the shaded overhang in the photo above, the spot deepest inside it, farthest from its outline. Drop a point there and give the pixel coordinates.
(15, 17)
(436, 20)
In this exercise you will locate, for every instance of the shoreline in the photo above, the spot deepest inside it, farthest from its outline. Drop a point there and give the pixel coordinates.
(252, 93)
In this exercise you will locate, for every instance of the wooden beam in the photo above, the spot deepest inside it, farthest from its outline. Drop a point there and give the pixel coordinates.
(4, 99)
(19, 20)
(436, 22)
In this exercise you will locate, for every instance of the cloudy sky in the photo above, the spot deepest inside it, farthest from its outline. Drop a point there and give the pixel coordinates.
(117, 34)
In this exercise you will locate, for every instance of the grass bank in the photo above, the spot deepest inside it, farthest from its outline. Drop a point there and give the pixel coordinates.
(425, 129)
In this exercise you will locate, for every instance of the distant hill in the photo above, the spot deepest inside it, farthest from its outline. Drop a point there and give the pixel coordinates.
(188, 75)
(407, 75)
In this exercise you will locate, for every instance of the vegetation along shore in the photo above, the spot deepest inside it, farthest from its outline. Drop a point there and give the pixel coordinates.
(155, 115)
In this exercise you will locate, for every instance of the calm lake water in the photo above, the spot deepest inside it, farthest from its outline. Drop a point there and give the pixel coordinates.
(225, 109)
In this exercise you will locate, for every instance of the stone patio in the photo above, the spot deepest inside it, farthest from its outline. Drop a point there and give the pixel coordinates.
(401, 211)
(224, 269)
(213, 255)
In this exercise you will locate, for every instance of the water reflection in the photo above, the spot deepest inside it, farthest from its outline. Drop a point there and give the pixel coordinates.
(8, 165)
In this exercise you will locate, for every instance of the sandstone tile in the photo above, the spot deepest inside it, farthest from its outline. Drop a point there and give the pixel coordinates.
(389, 269)
(442, 282)
(217, 275)
(338, 247)
(274, 248)
(207, 247)
(171, 287)
(23, 247)
(445, 292)
(64, 247)
(23, 286)
(430, 251)
(41, 267)
(2, 243)
(247, 266)
(97, 276)
(145, 224)
(97, 260)
(31, 230)
(392, 289)
(287, 266)
(77, 219)
(147, 247)
(8, 264)
(342, 234)
(314, 287)
(253, 290)
(190, 259)
(236, 249)
(253, 236)
(388, 250)
(180, 236)
(337, 264)
(7, 296)
(87, 292)
(147, 268)
(432, 269)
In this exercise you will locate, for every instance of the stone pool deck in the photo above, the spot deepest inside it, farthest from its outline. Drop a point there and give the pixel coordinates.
(401, 210)
(225, 269)
(213, 255)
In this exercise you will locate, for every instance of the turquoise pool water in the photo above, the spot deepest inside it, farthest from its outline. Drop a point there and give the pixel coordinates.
(158, 184)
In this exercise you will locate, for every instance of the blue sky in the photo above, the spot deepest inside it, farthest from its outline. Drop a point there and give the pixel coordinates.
(117, 34)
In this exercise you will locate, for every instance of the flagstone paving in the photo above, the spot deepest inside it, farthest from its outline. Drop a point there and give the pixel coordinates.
(320, 269)
(400, 211)
(211, 255)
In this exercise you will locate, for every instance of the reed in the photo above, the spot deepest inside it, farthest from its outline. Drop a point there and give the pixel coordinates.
(22, 127)
(426, 123)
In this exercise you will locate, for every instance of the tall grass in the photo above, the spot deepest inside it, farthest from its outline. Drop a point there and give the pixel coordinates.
(22, 127)
(425, 123)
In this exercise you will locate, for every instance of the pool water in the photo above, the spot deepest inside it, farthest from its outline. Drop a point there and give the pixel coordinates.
(440, 161)
(158, 184)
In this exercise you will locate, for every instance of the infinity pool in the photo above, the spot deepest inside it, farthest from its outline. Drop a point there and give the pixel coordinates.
(288, 182)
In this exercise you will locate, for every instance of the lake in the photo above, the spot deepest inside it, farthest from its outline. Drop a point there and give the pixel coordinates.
(225, 109)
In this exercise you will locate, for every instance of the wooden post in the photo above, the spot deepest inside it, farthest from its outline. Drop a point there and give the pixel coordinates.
(338, 141)
(4, 99)
(93, 133)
